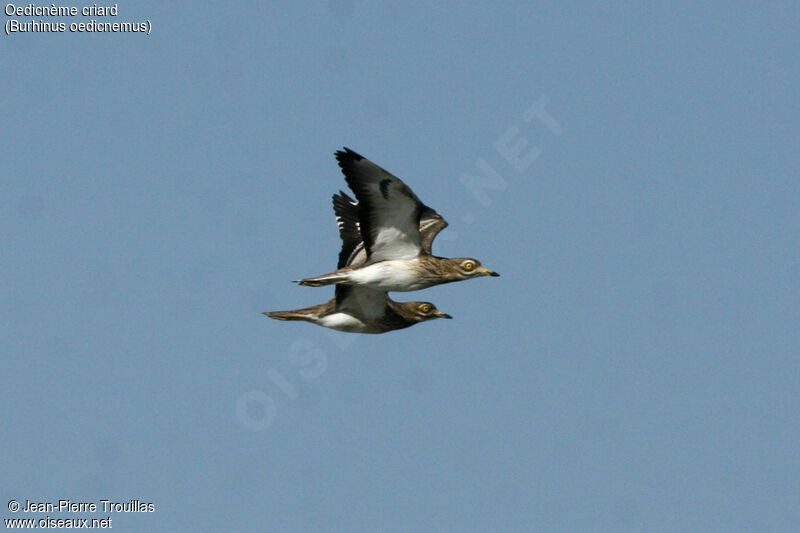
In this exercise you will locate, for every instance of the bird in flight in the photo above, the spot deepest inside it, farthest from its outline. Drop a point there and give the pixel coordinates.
(396, 248)
(361, 309)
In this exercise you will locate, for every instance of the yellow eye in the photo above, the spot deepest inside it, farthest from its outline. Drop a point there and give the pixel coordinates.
(468, 265)
(425, 308)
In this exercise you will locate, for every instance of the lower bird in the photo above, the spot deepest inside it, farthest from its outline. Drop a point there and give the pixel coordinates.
(361, 309)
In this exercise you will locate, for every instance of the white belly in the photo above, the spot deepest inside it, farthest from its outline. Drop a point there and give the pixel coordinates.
(389, 276)
(341, 322)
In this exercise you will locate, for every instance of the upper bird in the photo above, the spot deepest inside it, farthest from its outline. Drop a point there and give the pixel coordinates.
(398, 253)
(362, 309)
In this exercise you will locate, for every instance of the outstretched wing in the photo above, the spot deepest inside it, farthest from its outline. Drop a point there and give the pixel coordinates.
(353, 253)
(388, 211)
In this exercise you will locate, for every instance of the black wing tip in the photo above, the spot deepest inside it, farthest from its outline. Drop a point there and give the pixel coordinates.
(346, 211)
(343, 197)
(348, 161)
(344, 206)
(347, 154)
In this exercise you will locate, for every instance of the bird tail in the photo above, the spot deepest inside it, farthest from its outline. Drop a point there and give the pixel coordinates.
(289, 315)
(321, 281)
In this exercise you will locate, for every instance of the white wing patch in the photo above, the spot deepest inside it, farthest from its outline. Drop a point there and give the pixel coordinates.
(394, 243)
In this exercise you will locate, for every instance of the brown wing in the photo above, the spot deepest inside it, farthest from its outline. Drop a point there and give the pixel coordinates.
(430, 224)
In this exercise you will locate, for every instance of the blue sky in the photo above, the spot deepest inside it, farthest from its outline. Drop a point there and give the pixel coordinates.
(635, 368)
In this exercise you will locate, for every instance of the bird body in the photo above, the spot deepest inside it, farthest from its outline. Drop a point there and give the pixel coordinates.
(396, 315)
(400, 275)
